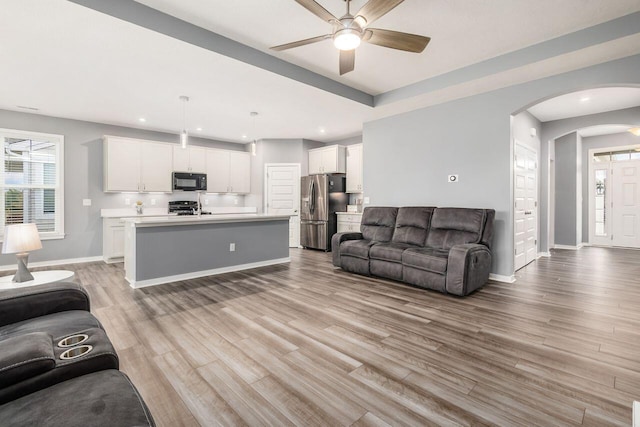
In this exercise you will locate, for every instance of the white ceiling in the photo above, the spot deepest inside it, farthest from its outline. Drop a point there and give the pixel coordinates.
(582, 103)
(603, 130)
(462, 32)
(71, 61)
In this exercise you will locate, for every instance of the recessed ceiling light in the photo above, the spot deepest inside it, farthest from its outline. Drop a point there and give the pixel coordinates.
(244, 136)
(584, 99)
(142, 119)
(635, 131)
(322, 130)
(199, 129)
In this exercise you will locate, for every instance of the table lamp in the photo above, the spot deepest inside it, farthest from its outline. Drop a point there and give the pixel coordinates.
(19, 239)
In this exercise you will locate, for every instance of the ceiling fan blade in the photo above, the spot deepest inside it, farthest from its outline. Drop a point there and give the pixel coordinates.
(300, 42)
(375, 9)
(317, 10)
(396, 40)
(347, 61)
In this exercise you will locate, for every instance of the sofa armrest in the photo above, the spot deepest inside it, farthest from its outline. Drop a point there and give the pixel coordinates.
(335, 244)
(467, 268)
(26, 303)
(25, 356)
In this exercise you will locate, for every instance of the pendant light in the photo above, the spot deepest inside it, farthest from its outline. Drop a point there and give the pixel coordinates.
(253, 114)
(184, 135)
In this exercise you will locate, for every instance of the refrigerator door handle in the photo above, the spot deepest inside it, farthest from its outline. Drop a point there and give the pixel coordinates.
(312, 197)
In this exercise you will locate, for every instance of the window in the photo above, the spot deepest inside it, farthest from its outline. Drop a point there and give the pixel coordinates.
(32, 181)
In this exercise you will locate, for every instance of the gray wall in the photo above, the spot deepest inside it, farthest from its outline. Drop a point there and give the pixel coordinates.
(590, 143)
(83, 171)
(408, 156)
(566, 191)
(276, 151)
(557, 128)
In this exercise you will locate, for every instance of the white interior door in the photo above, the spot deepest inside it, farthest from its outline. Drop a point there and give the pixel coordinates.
(625, 224)
(525, 205)
(282, 196)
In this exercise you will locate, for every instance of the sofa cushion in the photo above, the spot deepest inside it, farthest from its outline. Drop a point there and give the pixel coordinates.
(105, 398)
(388, 251)
(356, 248)
(412, 225)
(455, 226)
(378, 223)
(430, 259)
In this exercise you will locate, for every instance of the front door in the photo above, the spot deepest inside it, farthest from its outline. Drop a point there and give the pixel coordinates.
(526, 205)
(625, 224)
(283, 196)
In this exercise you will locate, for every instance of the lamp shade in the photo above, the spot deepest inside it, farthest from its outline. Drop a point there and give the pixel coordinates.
(21, 238)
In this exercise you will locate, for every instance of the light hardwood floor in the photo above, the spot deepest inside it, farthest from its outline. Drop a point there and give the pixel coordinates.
(306, 344)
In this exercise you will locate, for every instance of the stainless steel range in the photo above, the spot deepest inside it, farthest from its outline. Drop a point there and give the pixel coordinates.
(183, 207)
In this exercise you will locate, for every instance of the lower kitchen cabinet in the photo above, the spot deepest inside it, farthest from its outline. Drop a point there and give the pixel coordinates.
(349, 222)
(112, 239)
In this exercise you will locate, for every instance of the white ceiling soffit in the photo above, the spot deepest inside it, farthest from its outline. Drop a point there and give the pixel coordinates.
(462, 32)
(582, 103)
(603, 130)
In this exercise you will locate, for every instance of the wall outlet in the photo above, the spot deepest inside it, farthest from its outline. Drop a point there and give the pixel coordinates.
(127, 201)
(232, 247)
(153, 202)
(452, 178)
(206, 201)
(366, 201)
(86, 202)
(235, 201)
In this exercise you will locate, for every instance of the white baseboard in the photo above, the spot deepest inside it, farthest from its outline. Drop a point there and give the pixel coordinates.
(179, 277)
(54, 262)
(501, 278)
(569, 247)
(544, 254)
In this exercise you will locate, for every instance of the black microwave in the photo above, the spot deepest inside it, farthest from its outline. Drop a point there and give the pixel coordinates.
(189, 181)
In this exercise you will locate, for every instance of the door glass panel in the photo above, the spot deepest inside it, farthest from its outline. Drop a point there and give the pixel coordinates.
(600, 198)
(601, 157)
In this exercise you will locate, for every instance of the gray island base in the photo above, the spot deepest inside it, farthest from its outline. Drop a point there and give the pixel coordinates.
(164, 250)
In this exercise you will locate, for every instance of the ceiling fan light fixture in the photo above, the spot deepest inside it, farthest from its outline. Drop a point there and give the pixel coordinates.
(347, 39)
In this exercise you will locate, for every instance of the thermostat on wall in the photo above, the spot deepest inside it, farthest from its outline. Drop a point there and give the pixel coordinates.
(453, 178)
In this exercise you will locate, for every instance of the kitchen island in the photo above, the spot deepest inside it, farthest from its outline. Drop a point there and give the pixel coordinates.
(170, 249)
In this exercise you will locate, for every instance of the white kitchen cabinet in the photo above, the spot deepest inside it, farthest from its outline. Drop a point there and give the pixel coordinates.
(112, 239)
(136, 165)
(354, 169)
(349, 222)
(331, 159)
(239, 172)
(190, 159)
(228, 171)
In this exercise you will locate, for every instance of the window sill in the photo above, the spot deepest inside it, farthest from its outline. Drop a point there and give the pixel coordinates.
(47, 236)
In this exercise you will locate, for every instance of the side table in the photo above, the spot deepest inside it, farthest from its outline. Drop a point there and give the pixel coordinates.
(39, 278)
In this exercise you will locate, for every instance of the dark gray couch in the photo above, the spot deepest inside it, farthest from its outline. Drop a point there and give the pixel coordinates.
(444, 249)
(35, 373)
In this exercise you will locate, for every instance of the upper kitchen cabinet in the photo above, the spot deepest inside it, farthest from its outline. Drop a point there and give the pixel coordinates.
(228, 171)
(331, 159)
(190, 159)
(136, 165)
(354, 169)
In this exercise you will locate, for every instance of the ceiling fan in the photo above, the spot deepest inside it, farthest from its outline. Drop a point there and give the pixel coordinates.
(350, 30)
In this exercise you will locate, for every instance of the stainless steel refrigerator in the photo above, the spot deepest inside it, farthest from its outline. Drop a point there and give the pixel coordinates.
(322, 196)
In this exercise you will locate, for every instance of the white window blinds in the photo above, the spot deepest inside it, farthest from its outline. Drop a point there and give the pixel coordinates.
(31, 181)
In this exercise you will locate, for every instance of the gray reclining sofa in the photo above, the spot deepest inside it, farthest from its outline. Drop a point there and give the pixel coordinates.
(443, 249)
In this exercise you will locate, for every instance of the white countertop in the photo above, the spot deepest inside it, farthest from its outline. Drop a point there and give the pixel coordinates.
(159, 212)
(204, 219)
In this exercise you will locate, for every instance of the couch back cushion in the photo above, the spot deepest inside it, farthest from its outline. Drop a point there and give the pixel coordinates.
(412, 225)
(456, 226)
(378, 223)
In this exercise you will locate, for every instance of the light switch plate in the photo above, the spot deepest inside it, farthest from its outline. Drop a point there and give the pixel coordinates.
(86, 202)
(153, 202)
(366, 201)
(127, 201)
(232, 247)
(452, 178)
